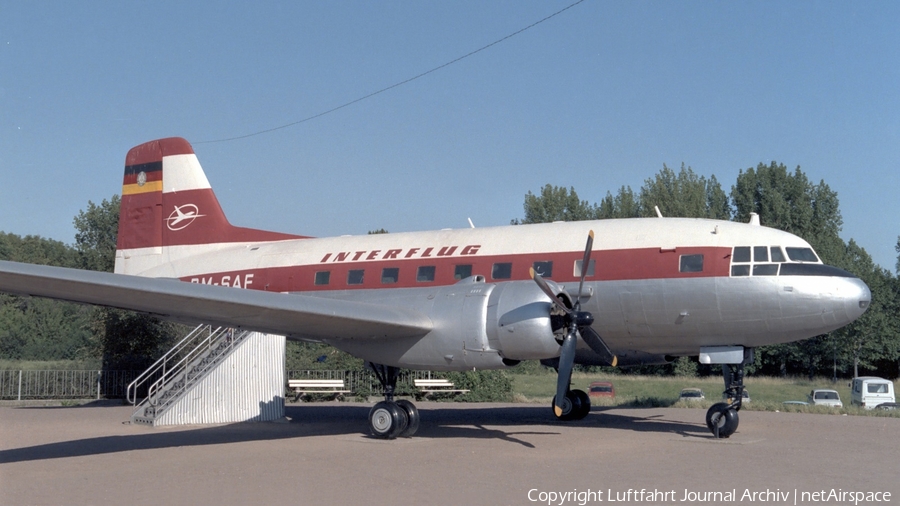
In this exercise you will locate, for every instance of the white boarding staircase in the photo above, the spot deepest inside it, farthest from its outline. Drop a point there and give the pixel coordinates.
(213, 375)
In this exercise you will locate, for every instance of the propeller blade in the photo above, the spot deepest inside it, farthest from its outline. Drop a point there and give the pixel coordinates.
(566, 361)
(585, 263)
(547, 291)
(593, 339)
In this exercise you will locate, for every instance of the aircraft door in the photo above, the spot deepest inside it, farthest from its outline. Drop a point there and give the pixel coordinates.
(473, 324)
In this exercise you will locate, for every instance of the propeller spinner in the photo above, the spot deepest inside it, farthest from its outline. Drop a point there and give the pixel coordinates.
(578, 322)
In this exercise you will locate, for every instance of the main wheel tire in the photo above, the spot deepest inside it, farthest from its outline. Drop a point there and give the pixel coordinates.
(387, 420)
(720, 416)
(584, 400)
(573, 406)
(412, 416)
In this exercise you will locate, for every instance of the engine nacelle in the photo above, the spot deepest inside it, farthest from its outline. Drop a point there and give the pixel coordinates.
(476, 325)
(519, 323)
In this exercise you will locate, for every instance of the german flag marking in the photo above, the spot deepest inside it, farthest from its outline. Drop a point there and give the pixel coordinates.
(149, 186)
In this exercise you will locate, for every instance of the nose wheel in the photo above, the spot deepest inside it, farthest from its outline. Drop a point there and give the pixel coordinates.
(722, 417)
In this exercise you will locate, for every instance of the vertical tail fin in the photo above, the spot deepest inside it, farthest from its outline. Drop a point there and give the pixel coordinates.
(167, 202)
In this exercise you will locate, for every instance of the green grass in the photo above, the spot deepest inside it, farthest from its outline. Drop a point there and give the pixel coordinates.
(766, 394)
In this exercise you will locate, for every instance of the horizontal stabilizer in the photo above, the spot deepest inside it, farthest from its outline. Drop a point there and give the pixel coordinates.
(299, 316)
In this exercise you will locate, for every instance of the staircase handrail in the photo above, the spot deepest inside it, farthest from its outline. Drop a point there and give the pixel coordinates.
(162, 362)
(196, 353)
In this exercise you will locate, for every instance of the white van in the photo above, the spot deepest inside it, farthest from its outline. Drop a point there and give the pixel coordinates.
(869, 391)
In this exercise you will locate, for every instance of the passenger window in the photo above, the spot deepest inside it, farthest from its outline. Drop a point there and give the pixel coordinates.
(390, 275)
(355, 277)
(802, 255)
(691, 263)
(590, 271)
(777, 255)
(741, 254)
(545, 269)
(323, 278)
(462, 271)
(765, 270)
(760, 254)
(740, 270)
(501, 271)
(425, 274)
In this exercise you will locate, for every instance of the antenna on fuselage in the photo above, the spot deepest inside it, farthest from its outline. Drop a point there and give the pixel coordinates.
(658, 213)
(472, 225)
(754, 219)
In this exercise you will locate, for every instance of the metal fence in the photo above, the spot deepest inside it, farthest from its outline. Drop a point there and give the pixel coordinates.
(24, 385)
(95, 384)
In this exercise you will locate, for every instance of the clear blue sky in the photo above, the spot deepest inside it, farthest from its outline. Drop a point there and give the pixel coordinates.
(597, 97)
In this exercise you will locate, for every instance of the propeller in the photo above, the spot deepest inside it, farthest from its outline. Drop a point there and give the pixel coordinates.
(577, 322)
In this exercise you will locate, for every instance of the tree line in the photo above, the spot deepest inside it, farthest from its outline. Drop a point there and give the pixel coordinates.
(37, 329)
(783, 199)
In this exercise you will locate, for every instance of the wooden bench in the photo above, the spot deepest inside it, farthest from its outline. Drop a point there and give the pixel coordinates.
(317, 386)
(437, 386)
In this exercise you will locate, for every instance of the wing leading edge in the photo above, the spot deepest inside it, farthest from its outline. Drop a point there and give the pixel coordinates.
(299, 316)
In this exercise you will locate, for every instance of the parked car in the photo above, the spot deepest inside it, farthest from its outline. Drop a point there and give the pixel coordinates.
(691, 394)
(824, 397)
(869, 391)
(602, 389)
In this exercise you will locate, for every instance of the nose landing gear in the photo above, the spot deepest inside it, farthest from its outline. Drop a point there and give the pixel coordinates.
(722, 417)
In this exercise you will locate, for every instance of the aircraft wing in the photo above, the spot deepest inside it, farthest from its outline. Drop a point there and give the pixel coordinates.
(300, 316)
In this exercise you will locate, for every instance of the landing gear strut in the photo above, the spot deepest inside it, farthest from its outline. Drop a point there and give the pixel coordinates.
(722, 417)
(389, 419)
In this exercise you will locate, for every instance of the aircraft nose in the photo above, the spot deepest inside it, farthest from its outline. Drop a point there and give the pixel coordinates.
(856, 296)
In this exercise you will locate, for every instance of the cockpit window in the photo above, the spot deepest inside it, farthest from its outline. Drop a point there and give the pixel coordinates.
(802, 254)
(760, 254)
(765, 270)
(741, 254)
(740, 270)
(770, 260)
(777, 255)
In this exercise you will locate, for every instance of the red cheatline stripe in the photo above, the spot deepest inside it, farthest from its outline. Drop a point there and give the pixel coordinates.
(610, 265)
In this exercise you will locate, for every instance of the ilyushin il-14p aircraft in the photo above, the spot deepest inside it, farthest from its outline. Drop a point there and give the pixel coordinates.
(608, 292)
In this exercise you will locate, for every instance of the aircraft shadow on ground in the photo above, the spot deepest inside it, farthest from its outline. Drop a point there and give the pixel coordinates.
(330, 420)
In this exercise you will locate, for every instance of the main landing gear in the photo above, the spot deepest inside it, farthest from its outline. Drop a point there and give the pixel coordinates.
(390, 419)
(722, 417)
(575, 405)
